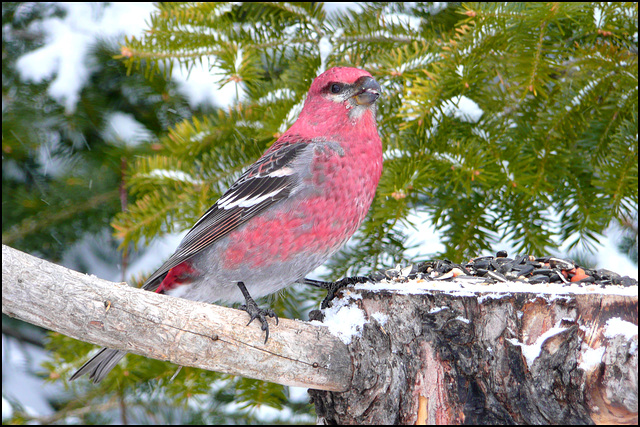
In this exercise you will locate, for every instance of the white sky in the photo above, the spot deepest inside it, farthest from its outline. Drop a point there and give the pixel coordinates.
(68, 39)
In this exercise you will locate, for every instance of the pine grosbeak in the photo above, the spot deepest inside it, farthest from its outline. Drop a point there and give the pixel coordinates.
(289, 211)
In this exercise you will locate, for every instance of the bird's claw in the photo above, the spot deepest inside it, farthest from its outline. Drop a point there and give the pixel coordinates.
(261, 314)
(334, 287)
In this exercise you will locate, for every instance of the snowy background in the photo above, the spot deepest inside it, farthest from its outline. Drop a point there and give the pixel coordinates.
(63, 59)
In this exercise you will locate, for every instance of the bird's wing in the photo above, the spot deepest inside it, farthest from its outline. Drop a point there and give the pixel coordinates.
(266, 182)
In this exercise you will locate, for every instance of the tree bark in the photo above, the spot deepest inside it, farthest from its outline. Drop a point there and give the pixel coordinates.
(184, 332)
(442, 358)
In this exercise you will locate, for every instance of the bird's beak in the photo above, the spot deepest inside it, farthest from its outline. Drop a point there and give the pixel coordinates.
(368, 91)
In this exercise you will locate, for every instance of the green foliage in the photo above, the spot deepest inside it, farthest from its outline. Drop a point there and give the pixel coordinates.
(553, 156)
(62, 170)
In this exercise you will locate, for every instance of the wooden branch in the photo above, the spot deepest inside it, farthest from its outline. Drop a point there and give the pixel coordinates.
(184, 332)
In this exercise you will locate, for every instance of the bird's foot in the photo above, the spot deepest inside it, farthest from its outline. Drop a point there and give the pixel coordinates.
(333, 287)
(256, 312)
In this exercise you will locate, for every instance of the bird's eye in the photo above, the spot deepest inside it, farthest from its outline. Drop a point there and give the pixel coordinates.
(336, 88)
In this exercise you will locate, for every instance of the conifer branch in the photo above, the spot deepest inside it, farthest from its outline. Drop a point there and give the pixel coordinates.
(31, 225)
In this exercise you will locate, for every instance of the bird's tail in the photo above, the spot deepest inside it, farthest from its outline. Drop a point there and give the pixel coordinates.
(99, 365)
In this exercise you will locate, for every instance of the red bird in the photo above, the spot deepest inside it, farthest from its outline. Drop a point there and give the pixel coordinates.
(290, 211)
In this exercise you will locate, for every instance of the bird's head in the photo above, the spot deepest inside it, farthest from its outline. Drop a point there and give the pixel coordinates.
(339, 96)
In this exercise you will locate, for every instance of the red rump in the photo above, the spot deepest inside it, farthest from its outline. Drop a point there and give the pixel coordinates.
(177, 276)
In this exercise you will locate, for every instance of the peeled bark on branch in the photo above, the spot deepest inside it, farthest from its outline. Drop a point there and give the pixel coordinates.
(184, 332)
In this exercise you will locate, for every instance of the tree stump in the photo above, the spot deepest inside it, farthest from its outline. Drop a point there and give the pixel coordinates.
(489, 358)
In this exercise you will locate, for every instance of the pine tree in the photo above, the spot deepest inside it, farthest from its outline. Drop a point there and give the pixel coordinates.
(547, 153)
(500, 120)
